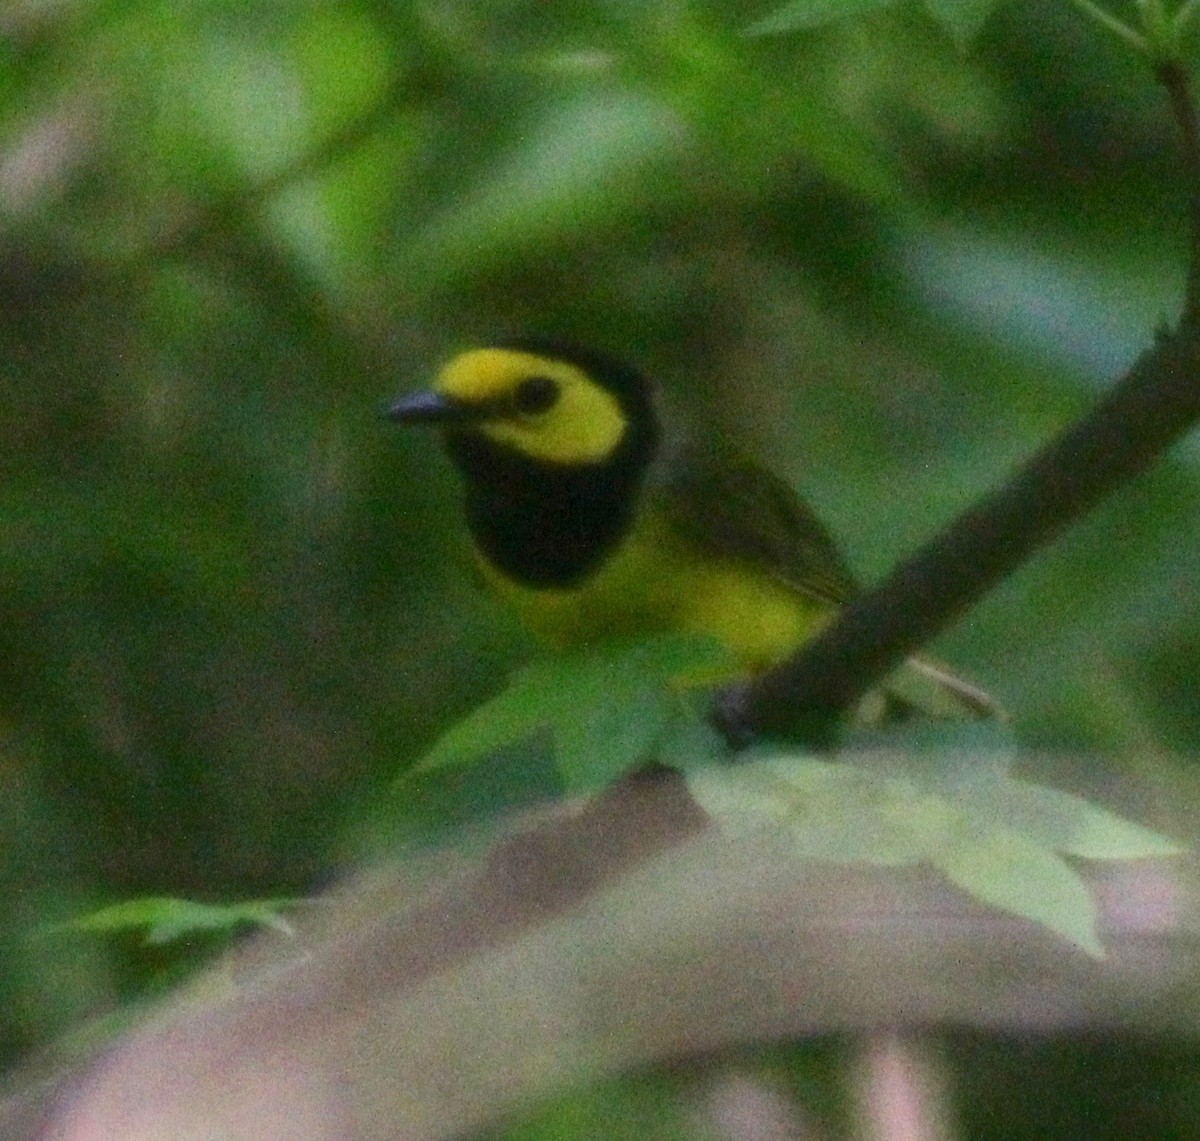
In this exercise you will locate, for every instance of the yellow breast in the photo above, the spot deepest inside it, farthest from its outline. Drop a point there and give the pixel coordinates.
(654, 584)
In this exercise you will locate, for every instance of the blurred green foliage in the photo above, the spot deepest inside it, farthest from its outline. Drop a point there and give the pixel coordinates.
(234, 603)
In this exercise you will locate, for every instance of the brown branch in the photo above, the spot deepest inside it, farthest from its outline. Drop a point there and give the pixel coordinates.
(1156, 403)
(436, 1003)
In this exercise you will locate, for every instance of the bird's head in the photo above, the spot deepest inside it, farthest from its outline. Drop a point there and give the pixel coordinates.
(550, 402)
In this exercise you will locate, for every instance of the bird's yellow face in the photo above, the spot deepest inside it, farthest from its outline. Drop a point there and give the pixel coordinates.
(547, 409)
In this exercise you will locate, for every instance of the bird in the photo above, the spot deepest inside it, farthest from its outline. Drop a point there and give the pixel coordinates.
(594, 525)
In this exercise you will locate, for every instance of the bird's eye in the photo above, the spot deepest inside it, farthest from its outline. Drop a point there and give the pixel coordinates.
(536, 394)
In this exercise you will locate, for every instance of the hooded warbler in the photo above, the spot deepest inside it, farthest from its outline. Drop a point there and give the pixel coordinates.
(588, 522)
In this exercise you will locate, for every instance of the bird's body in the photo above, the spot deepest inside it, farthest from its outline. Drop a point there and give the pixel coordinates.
(660, 579)
(592, 527)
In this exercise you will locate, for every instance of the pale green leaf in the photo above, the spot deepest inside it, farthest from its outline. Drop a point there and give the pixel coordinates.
(164, 918)
(1075, 826)
(745, 797)
(690, 741)
(1012, 872)
(586, 164)
(992, 835)
(832, 812)
(870, 823)
(981, 787)
(805, 14)
(961, 19)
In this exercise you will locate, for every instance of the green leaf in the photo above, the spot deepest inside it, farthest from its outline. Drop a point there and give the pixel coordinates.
(605, 709)
(690, 742)
(805, 14)
(838, 813)
(166, 919)
(961, 19)
(994, 836)
(526, 705)
(609, 738)
(1072, 825)
(1013, 872)
(620, 703)
(585, 164)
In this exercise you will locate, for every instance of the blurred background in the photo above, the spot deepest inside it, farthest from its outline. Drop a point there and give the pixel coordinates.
(235, 603)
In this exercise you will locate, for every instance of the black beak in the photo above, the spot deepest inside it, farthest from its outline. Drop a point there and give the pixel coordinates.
(431, 408)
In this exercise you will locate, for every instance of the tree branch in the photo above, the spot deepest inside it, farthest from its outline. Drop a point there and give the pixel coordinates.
(434, 1002)
(1156, 403)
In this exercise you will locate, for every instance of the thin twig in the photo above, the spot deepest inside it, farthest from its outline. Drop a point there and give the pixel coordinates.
(1174, 77)
(1114, 25)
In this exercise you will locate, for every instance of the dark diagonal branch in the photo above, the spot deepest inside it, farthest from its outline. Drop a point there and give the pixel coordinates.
(1157, 402)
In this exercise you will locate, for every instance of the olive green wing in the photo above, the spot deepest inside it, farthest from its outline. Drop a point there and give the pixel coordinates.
(731, 508)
